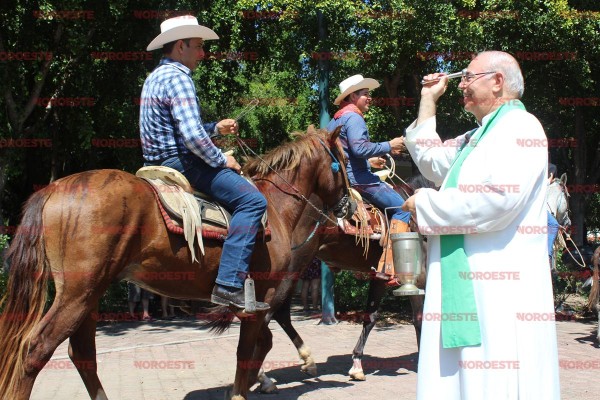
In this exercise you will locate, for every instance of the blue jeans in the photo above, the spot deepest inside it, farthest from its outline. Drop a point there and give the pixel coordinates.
(242, 200)
(552, 232)
(382, 196)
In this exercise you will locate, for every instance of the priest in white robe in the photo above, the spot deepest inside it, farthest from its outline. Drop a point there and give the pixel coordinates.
(488, 321)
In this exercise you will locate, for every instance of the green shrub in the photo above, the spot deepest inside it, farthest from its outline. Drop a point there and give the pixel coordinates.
(352, 292)
(566, 282)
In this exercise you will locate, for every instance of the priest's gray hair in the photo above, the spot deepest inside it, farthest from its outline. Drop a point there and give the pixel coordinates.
(505, 63)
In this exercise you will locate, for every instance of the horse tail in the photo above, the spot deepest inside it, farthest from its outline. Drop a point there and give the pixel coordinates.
(219, 319)
(23, 303)
(595, 291)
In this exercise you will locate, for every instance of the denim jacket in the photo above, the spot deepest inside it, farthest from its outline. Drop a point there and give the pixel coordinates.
(357, 148)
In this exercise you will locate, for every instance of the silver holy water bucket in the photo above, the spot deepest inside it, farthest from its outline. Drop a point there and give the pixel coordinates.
(406, 250)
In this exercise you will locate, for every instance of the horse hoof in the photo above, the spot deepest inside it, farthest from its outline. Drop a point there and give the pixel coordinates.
(228, 395)
(310, 370)
(357, 375)
(271, 389)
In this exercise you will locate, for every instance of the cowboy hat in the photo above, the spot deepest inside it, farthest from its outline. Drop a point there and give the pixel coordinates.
(354, 83)
(183, 27)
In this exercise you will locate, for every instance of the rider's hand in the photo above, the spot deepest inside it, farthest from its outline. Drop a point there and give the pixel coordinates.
(377, 162)
(227, 127)
(233, 164)
(397, 145)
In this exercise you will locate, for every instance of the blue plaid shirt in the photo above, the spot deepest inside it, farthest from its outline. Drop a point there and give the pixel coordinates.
(170, 123)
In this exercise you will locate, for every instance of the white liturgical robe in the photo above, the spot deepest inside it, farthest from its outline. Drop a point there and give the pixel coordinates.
(499, 206)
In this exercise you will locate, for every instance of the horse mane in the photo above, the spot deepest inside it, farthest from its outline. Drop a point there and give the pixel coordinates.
(288, 155)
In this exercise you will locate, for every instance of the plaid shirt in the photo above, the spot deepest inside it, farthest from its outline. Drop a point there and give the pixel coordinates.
(170, 123)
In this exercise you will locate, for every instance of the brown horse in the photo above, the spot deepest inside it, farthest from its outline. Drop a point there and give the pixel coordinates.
(340, 252)
(92, 228)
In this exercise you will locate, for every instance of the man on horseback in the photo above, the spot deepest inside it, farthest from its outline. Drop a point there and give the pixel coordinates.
(173, 135)
(362, 154)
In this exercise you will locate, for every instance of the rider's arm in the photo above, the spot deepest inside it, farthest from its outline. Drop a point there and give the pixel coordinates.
(186, 112)
(358, 139)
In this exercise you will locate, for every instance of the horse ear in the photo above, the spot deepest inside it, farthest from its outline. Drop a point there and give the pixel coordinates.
(311, 130)
(335, 134)
(563, 178)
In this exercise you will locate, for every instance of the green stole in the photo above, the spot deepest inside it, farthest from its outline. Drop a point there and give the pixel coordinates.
(460, 324)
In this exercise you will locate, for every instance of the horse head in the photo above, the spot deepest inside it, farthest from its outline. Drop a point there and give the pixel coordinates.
(557, 200)
(311, 164)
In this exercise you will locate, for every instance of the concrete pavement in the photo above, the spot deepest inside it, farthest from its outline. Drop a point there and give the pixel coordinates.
(180, 360)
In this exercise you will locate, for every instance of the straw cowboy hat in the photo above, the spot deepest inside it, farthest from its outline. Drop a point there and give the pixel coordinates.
(353, 84)
(183, 27)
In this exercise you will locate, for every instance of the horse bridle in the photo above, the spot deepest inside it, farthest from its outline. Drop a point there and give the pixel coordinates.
(345, 207)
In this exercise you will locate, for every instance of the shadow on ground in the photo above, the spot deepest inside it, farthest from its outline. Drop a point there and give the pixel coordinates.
(332, 374)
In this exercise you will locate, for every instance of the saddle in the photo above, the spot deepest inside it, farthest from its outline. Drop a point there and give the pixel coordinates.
(189, 212)
(367, 220)
(368, 223)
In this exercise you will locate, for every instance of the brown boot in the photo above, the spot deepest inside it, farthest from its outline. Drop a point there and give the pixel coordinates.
(385, 267)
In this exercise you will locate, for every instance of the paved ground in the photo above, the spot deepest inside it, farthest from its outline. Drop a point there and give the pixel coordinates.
(179, 360)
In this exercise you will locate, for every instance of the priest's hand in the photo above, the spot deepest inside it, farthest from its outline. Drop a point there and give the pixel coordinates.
(409, 205)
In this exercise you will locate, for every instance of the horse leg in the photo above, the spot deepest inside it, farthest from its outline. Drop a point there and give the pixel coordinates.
(282, 316)
(416, 304)
(61, 321)
(263, 346)
(82, 351)
(377, 289)
(247, 343)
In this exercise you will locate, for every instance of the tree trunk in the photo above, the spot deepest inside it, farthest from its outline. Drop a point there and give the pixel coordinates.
(578, 198)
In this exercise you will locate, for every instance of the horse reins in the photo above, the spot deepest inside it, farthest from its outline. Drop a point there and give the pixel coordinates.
(244, 147)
